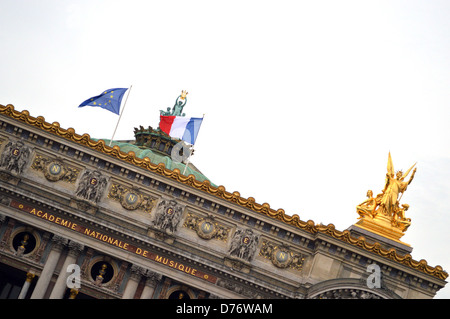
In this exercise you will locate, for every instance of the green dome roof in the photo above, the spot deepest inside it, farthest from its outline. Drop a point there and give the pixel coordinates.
(156, 158)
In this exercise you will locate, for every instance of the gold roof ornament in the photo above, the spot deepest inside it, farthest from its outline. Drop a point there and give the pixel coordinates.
(383, 213)
(183, 94)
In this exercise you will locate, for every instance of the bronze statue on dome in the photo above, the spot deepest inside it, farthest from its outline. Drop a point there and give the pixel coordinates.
(177, 109)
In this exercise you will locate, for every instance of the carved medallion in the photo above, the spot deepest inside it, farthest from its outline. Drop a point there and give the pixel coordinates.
(281, 256)
(245, 241)
(15, 152)
(131, 199)
(93, 181)
(54, 169)
(206, 228)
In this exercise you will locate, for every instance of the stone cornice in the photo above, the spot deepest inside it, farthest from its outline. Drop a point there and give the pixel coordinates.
(219, 192)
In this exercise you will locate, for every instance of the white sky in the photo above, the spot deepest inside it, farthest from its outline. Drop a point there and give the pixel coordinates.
(303, 100)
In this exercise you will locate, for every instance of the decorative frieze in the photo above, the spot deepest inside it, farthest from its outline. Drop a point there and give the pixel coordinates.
(206, 227)
(347, 294)
(281, 256)
(55, 170)
(131, 199)
(241, 289)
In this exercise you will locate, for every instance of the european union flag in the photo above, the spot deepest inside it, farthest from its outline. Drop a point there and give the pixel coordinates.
(109, 100)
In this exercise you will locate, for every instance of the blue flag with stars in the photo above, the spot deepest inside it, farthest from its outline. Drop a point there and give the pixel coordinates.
(109, 100)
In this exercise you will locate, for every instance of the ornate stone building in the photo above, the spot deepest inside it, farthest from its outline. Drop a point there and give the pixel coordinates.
(82, 219)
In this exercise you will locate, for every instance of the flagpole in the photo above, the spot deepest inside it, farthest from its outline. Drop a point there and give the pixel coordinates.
(190, 154)
(187, 161)
(120, 116)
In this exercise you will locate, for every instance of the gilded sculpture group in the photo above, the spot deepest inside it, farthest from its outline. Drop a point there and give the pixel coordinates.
(387, 203)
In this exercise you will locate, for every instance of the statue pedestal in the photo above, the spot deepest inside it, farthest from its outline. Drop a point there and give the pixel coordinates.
(380, 229)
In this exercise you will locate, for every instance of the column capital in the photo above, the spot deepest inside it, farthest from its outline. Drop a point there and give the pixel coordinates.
(75, 248)
(137, 271)
(153, 278)
(58, 242)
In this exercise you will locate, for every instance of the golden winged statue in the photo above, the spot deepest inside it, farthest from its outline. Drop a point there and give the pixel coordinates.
(384, 210)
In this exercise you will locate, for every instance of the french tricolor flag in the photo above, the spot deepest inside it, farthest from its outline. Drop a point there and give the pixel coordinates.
(185, 128)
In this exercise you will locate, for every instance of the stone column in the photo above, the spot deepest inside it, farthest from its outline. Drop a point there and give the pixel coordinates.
(150, 284)
(133, 282)
(61, 283)
(26, 285)
(49, 268)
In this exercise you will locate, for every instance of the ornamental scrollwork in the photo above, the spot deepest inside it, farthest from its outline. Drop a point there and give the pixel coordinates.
(55, 170)
(131, 198)
(281, 256)
(206, 227)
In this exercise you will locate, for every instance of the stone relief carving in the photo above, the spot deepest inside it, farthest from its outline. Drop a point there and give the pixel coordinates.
(131, 199)
(281, 256)
(241, 289)
(244, 243)
(15, 156)
(347, 294)
(55, 170)
(91, 186)
(168, 215)
(206, 227)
